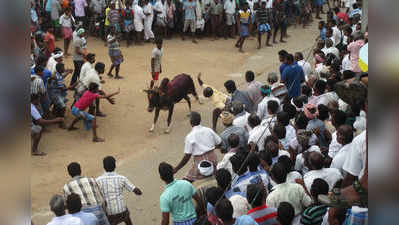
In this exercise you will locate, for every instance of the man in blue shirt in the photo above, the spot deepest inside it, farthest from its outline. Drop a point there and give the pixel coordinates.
(323, 30)
(292, 77)
(239, 96)
(74, 206)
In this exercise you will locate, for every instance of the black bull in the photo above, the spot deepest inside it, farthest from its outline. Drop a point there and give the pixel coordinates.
(180, 87)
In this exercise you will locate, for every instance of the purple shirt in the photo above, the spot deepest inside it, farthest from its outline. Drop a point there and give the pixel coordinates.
(80, 8)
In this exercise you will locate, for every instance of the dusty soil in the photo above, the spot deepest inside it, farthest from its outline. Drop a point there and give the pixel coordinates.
(125, 128)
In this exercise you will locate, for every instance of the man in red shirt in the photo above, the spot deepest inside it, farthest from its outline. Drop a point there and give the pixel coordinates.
(263, 215)
(49, 41)
(341, 15)
(87, 99)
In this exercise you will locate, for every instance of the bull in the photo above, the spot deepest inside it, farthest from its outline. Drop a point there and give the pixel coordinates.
(170, 93)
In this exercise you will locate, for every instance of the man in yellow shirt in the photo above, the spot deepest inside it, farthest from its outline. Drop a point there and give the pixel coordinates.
(217, 98)
(107, 24)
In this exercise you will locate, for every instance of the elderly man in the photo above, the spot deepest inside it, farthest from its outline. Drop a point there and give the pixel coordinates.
(89, 192)
(344, 137)
(199, 143)
(57, 206)
(227, 119)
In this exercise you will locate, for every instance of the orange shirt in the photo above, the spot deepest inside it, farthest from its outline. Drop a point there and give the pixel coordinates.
(49, 39)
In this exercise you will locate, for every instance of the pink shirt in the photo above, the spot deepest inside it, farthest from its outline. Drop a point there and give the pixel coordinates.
(86, 100)
(354, 49)
(80, 8)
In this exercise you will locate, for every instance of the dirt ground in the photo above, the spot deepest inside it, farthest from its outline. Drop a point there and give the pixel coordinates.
(125, 128)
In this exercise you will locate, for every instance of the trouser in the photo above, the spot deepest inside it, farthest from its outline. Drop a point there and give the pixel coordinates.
(76, 73)
(120, 218)
(148, 29)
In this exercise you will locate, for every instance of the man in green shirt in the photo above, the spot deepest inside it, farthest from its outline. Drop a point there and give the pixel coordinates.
(177, 198)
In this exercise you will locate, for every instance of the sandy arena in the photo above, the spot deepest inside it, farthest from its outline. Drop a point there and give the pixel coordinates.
(126, 126)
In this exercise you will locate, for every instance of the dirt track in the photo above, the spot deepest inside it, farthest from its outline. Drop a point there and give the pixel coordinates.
(125, 128)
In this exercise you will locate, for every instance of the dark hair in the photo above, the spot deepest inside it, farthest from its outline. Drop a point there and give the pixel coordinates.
(74, 169)
(271, 138)
(338, 118)
(73, 203)
(316, 160)
(158, 40)
(93, 87)
(249, 76)
(224, 210)
(253, 120)
(166, 172)
(99, 67)
(255, 194)
(195, 119)
(272, 106)
(34, 97)
(320, 86)
(90, 56)
(59, 67)
(279, 130)
(299, 101)
(213, 194)
(336, 10)
(286, 162)
(301, 121)
(223, 178)
(253, 162)
(348, 29)
(41, 60)
(323, 112)
(290, 109)
(208, 92)
(109, 164)
(285, 213)
(283, 118)
(38, 69)
(319, 187)
(237, 162)
(323, 23)
(347, 133)
(306, 90)
(230, 85)
(283, 53)
(290, 58)
(266, 156)
(300, 55)
(331, 84)
(348, 74)
(329, 29)
(355, 6)
(233, 140)
(279, 173)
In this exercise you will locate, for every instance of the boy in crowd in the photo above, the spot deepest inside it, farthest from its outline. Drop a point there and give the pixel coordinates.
(156, 62)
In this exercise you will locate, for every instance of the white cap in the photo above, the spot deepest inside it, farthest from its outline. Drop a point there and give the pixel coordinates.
(205, 171)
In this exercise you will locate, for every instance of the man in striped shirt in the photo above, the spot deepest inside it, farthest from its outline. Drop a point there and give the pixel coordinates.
(112, 185)
(263, 17)
(89, 192)
(314, 214)
(262, 214)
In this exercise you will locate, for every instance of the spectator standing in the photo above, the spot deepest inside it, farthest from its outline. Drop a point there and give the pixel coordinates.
(57, 206)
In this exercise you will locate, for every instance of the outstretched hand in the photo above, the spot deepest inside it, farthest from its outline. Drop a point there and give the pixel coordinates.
(111, 100)
(137, 191)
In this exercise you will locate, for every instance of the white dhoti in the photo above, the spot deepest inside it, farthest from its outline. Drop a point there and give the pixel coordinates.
(138, 25)
(147, 29)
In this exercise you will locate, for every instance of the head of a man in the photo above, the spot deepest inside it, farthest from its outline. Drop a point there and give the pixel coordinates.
(278, 173)
(290, 59)
(214, 194)
(315, 160)
(272, 78)
(256, 195)
(91, 58)
(57, 205)
(329, 32)
(283, 118)
(230, 86)
(166, 172)
(319, 87)
(285, 213)
(329, 43)
(253, 162)
(109, 164)
(195, 119)
(286, 162)
(249, 76)
(338, 118)
(60, 67)
(279, 131)
(271, 145)
(233, 140)
(223, 178)
(322, 24)
(319, 187)
(253, 120)
(159, 42)
(344, 134)
(93, 87)
(282, 55)
(298, 56)
(38, 70)
(100, 67)
(208, 92)
(35, 99)
(272, 107)
(224, 210)
(238, 107)
(74, 204)
(74, 169)
(238, 164)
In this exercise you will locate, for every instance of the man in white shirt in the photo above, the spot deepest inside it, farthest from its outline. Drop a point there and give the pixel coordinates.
(57, 206)
(338, 118)
(336, 32)
(199, 143)
(241, 116)
(316, 163)
(55, 58)
(90, 60)
(287, 192)
(307, 68)
(230, 9)
(263, 111)
(344, 137)
(330, 48)
(355, 162)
